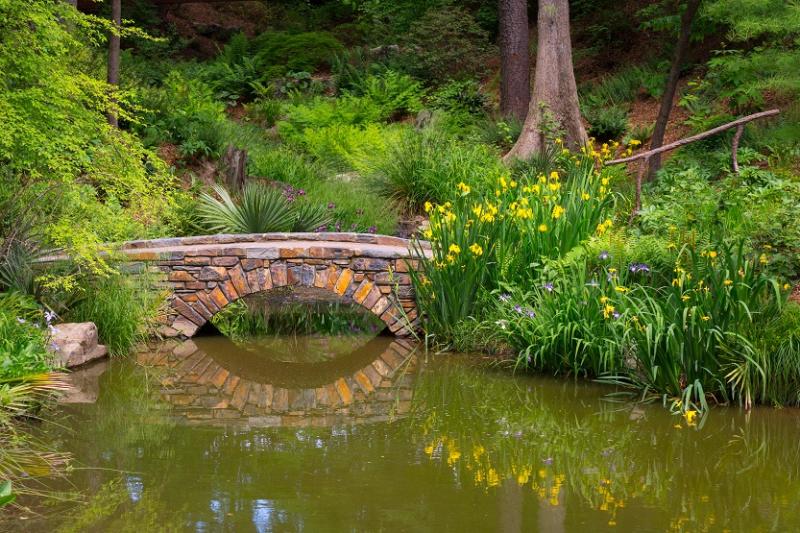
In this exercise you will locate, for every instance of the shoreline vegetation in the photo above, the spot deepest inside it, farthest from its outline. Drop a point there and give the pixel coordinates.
(385, 117)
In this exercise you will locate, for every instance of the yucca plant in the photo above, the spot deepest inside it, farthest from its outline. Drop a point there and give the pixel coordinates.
(259, 209)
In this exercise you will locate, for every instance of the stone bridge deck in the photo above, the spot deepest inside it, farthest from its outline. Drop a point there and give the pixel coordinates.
(207, 273)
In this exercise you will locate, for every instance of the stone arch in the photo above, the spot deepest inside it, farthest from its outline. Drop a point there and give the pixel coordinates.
(205, 279)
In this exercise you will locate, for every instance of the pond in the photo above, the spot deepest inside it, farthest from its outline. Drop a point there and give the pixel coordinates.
(360, 434)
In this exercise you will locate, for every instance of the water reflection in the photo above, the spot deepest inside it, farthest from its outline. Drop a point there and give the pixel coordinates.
(213, 381)
(478, 450)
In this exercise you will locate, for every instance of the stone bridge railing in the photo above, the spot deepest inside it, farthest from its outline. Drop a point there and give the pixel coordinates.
(207, 273)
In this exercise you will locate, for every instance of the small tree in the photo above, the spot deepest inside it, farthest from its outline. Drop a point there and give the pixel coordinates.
(554, 103)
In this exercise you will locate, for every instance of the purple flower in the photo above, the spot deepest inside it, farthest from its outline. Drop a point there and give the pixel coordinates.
(505, 297)
(604, 255)
(21, 320)
(548, 461)
(331, 205)
(518, 309)
(54, 346)
(616, 315)
(320, 229)
(301, 192)
(49, 316)
(548, 287)
(530, 313)
(639, 267)
(372, 229)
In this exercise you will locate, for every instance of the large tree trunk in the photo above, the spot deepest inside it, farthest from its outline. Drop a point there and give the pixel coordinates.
(515, 70)
(113, 57)
(672, 85)
(554, 106)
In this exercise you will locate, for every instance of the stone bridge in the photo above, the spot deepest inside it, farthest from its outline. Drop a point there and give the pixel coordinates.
(207, 273)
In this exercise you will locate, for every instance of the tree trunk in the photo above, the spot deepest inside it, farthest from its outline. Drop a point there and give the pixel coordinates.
(553, 109)
(113, 58)
(234, 165)
(672, 85)
(515, 70)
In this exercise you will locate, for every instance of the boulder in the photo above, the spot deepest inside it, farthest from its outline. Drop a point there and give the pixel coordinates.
(75, 344)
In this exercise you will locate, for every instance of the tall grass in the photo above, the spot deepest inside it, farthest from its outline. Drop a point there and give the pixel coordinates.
(124, 309)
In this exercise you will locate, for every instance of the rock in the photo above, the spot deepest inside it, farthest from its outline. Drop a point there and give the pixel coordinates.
(75, 344)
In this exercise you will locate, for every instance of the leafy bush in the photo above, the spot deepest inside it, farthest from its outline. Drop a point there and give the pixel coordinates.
(123, 310)
(184, 112)
(392, 92)
(259, 210)
(349, 147)
(462, 98)
(607, 123)
(277, 53)
(425, 167)
(93, 183)
(23, 337)
(285, 165)
(321, 112)
(446, 43)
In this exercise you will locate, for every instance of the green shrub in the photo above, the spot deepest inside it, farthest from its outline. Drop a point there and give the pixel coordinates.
(277, 53)
(426, 167)
(184, 112)
(321, 112)
(259, 209)
(350, 147)
(23, 337)
(285, 165)
(607, 123)
(354, 207)
(124, 311)
(446, 43)
(461, 98)
(394, 93)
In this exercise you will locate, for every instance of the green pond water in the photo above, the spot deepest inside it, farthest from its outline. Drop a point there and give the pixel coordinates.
(358, 434)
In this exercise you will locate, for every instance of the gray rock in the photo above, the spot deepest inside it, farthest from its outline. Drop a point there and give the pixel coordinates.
(75, 344)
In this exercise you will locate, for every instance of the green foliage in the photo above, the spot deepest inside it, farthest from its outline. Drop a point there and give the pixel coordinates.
(259, 209)
(427, 166)
(23, 337)
(281, 52)
(462, 98)
(184, 112)
(447, 43)
(123, 309)
(394, 93)
(607, 123)
(97, 184)
(321, 112)
(242, 320)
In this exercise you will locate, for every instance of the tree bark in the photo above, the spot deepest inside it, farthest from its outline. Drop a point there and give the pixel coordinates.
(672, 85)
(553, 109)
(113, 58)
(515, 70)
(234, 164)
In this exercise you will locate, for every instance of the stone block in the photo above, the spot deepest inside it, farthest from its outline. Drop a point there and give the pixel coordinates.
(239, 280)
(344, 391)
(279, 277)
(218, 298)
(185, 310)
(225, 261)
(185, 327)
(368, 263)
(197, 261)
(265, 278)
(371, 298)
(251, 264)
(363, 290)
(343, 283)
(213, 273)
(229, 290)
(262, 253)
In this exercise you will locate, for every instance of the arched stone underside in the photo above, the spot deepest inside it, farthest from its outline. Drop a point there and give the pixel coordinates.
(205, 274)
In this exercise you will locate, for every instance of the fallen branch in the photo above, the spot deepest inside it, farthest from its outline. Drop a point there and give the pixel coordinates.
(738, 124)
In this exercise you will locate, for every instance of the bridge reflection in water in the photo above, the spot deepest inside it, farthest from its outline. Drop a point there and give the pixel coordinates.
(213, 381)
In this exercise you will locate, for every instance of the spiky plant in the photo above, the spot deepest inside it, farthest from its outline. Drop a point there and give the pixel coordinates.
(258, 210)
